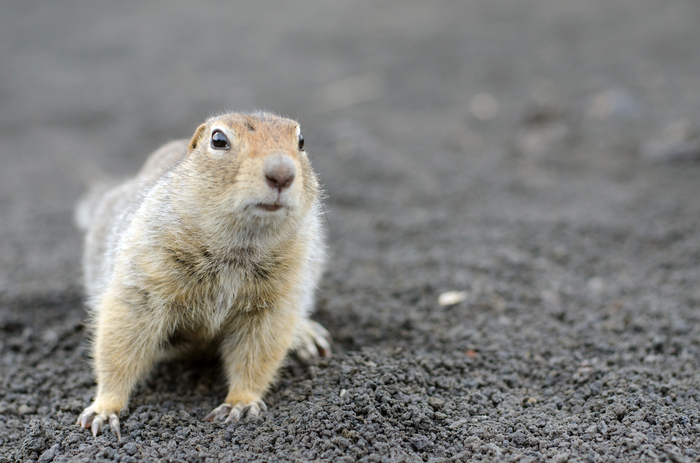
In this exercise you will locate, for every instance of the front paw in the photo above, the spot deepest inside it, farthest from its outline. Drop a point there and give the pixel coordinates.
(95, 419)
(234, 412)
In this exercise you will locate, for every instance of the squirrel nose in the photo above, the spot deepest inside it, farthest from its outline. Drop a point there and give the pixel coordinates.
(280, 172)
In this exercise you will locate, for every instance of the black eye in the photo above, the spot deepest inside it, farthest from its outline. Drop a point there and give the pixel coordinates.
(219, 140)
(301, 143)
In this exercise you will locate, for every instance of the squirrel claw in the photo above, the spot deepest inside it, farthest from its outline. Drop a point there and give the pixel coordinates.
(233, 413)
(90, 419)
(97, 425)
(219, 412)
(114, 425)
(314, 342)
(85, 419)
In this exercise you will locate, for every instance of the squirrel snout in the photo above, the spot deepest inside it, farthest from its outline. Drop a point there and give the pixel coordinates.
(279, 172)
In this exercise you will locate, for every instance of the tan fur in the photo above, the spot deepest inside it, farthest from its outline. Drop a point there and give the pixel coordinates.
(182, 257)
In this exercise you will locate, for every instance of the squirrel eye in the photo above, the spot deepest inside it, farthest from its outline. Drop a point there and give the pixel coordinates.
(301, 143)
(219, 140)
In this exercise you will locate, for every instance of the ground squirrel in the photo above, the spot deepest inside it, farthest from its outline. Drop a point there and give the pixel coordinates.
(214, 242)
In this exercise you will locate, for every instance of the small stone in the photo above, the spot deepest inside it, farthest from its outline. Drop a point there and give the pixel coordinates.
(584, 371)
(420, 442)
(452, 297)
(435, 403)
(183, 433)
(131, 448)
(49, 454)
(484, 107)
(614, 103)
(679, 141)
(458, 423)
(596, 286)
(536, 141)
(519, 438)
(602, 427)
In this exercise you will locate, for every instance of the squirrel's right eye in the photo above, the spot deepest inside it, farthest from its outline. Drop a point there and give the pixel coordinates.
(219, 140)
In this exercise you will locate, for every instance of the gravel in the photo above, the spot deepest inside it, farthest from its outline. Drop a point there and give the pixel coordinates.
(492, 150)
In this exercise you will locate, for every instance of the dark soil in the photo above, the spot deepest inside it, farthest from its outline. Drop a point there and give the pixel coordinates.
(528, 153)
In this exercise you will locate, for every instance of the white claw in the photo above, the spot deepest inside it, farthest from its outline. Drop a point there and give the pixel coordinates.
(114, 424)
(320, 331)
(85, 418)
(235, 414)
(253, 410)
(309, 351)
(219, 412)
(96, 425)
(91, 419)
(314, 342)
(324, 347)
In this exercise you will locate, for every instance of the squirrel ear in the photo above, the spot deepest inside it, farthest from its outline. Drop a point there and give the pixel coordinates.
(194, 143)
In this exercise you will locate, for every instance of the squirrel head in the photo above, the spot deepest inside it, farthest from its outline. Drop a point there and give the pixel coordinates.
(249, 168)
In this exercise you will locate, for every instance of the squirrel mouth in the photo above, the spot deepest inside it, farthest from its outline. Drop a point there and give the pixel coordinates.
(269, 207)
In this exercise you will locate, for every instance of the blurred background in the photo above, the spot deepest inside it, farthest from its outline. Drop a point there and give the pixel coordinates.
(412, 110)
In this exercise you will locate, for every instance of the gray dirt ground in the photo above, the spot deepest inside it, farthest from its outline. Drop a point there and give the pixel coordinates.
(579, 337)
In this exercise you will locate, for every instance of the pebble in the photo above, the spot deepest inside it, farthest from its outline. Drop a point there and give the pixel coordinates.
(458, 423)
(49, 454)
(617, 103)
(596, 286)
(452, 297)
(484, 106)
(131, 448)
(679, 141)
(539, 140)
(602, 427)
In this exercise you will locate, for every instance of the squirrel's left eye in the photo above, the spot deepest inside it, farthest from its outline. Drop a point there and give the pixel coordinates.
(301, 143)
(219, 140)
